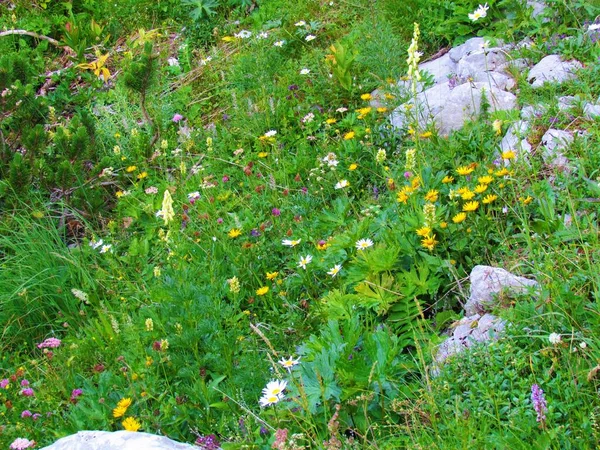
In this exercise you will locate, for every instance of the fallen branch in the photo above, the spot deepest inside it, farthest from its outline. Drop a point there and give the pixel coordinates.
(37, 36)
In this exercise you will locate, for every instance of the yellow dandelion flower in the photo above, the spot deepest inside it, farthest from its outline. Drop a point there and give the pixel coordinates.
(119, 194)
(486, 179)
(448, 179)
(353, 166)
(272, 275)
(262, 291)
(411, 130)
(263, 154)
(465, 170)
(366, 96)
(330, 121)
(467, 194)
(349, 135)
(416, 182)
(142, 175)
(426, 135)
(131, 169)
(470, 206)
(424, 231)
(460, 217)
(489, 198)
(526, 201)
(234, 232)
(502, 172)
(429, 242)
(432, 195)
(481, 188)
(443, 224)
(382, 109)
(509, 154)
(131, 424)
(389, 96)
(124, 403)
(402, 197)
(119, 412)
(364, 111)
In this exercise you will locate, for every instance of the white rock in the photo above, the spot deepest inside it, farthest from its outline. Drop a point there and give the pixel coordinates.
(477, 62)
(440, 68)
(554, 142)
(515, 139)
(472, 45)
(497, 79)
(591, 111)
(464, 102)
(487, 282)
(118, 440)
(530, 112)
(538, 7)
(567, 101)
(551, 68)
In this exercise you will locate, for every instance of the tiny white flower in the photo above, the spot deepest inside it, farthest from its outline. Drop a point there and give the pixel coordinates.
(342, 184)
(173, 62)
(290, 243)
(244, 34)
(479, 13)
(289, 363)
(205, 61)
(582, 344)
(304, 71)
(300, 24)
(594, 27)
(310, 37)
(554, 338)
(363, 244)
(270, 133)
(334, 270)
(279, 43)
(268, 400)
(96, 244)
(275, 387)
(342, 110)
(304, 260)
(105, 248)
(263, 35)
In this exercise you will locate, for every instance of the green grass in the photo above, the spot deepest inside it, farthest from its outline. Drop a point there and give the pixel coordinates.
(176, 314)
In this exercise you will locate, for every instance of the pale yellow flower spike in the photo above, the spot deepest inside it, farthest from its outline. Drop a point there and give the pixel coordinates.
(167, 207)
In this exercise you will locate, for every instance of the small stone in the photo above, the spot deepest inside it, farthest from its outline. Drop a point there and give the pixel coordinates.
(552, 68)
(487, 282)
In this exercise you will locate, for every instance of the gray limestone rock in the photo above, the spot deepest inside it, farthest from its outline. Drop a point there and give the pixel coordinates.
(515, 139)
(487, 282)
(591, 111)
(552, 68)
(118, 440)
(480, 61)
(464, 102)
(554, 142)
(440, 68)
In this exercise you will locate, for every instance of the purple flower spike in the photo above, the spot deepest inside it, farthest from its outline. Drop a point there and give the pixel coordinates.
(539, 403)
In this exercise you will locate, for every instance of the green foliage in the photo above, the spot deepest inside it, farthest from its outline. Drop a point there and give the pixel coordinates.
(201, 8)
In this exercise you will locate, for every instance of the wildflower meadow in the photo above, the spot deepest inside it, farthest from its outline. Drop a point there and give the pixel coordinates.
(239, 225)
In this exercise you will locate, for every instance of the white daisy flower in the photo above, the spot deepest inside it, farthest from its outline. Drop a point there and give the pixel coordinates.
(304, 260)
(363, 244)
(275, 387)
(290, 242)
(342, 184)
(289, 363)
(304, 71)
(334, 270)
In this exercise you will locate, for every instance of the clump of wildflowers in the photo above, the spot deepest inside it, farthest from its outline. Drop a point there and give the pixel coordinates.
(538, 401)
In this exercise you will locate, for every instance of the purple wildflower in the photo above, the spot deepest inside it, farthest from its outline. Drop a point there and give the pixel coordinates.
(27, 392)
(24, 383)
(225, 179)
(539, 403)
(49, 343)
(4, 383)
(276, 212)
(21, 444)
(254, 232)
(76, 393)
(26, 413)
(177, 118)
(36, 416)
(209, 442)
(407, 174)
(263, 431)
